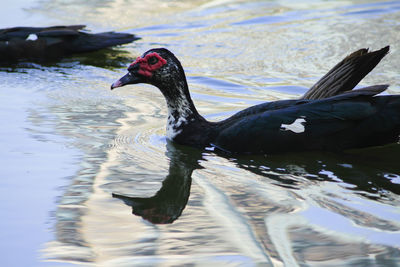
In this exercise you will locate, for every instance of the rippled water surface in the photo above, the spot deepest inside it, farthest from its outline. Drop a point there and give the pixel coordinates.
(68, 142)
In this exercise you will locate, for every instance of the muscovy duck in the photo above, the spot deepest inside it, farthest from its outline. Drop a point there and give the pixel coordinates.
(329, 117)
(49, 43)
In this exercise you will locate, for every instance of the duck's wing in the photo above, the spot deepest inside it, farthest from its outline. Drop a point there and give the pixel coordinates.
(261, 108)
(346, 74)
(281, 104)
(350, 120)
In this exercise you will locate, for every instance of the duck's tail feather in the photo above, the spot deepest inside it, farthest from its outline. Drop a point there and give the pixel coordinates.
(346, 74)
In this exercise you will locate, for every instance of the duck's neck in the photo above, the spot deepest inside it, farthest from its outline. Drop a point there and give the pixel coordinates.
(181, 110)
(179, 116)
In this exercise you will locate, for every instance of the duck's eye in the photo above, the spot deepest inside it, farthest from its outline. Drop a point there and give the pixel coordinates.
(152, 60)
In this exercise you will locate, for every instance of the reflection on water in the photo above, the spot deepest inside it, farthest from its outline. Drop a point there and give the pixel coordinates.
(195, 207)
(168, 203)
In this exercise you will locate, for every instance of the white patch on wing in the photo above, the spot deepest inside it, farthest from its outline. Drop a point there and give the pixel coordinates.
(32, 37)
(296, 127)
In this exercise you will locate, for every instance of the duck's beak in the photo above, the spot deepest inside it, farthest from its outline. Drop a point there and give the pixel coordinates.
(129, 78)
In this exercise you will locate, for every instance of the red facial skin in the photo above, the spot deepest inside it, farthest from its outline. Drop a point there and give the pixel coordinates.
(147, 69)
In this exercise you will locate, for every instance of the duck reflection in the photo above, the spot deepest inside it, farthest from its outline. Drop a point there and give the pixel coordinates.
(367, 172)
(169, 202)
(373, 170)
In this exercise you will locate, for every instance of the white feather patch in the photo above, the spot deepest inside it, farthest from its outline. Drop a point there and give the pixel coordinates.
(182, 108)
(32, 37)
(171, 128)
(296, 127)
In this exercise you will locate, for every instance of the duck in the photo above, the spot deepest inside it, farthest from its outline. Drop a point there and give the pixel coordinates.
(331, 116)
(51, 43)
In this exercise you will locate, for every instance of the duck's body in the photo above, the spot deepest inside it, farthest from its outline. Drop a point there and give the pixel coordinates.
(49, 43)
(322, 120)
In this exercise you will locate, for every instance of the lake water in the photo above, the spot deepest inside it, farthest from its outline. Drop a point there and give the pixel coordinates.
(68, 142)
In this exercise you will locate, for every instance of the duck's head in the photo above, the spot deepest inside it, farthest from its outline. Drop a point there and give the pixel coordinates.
(158, 67)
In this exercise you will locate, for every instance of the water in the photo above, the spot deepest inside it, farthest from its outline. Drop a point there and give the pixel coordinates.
(68, 142)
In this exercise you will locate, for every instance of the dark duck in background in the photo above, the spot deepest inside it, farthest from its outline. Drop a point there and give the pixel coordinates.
(51, 43)
(330, 116)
